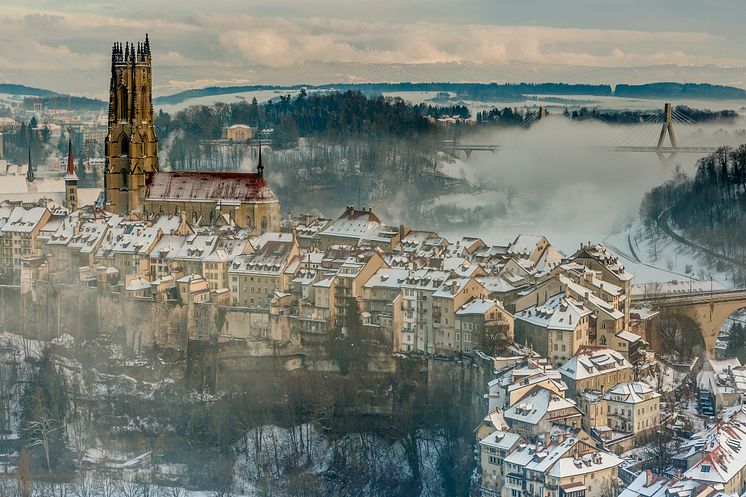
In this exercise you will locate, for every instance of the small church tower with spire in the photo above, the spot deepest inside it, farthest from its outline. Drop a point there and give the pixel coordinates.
(131, 144)
(260, 166)
(71, 181)
(30, 168)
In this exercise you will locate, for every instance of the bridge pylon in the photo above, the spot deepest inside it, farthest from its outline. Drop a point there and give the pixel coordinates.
(667, 128)
(542, 112)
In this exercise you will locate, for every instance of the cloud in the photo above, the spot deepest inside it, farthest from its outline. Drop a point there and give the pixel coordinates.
(280, 42)
(193, 42)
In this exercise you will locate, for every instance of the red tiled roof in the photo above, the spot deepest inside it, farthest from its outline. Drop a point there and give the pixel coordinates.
(181, 186)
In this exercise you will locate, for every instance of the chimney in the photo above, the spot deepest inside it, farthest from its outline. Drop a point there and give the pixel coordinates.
(648, 477)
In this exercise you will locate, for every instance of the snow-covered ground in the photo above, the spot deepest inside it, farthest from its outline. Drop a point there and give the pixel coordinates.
(668, 379)
(658, 258)
(455, 168)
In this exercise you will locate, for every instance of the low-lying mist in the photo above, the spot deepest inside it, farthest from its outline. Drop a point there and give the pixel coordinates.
(557, 179)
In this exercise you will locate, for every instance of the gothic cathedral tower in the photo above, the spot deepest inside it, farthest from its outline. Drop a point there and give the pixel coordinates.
(131, 144)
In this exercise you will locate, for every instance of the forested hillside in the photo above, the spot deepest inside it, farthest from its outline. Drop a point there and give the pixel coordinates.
(709, 208)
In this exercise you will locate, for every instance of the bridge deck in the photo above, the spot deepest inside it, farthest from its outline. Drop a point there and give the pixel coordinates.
(692, 298)
(665, 150)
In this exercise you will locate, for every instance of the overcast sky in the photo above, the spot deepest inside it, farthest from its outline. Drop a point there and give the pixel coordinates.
(65, 45)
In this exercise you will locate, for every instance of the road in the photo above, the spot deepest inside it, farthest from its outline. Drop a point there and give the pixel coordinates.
(664, 224)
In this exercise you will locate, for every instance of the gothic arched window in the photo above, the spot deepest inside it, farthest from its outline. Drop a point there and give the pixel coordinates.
(264, 224)
(124, 145)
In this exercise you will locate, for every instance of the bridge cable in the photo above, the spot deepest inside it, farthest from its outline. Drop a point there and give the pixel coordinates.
(636, 131)
(643, 132)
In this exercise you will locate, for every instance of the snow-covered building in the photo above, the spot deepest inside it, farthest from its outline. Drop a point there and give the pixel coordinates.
(478, 318)
(555, 329)
(723, 448)
(595, 368)
(539, 409)
(18, 238)
(567, 467)
(633, 407)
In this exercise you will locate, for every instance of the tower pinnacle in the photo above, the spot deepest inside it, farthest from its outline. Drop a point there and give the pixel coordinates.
(70, 162)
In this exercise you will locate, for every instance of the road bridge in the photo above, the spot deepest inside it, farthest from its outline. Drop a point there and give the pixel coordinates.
(709, 310)
(650, 136)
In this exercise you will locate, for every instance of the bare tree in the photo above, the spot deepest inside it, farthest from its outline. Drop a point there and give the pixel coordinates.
(130, 489)
(172, 492)
(43, 428)
(610, 487)
(108, 485)
(660, 450)
(85, 485)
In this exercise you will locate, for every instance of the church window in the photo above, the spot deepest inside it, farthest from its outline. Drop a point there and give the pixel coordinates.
(125, 177)
(124, 145)
(264, 224)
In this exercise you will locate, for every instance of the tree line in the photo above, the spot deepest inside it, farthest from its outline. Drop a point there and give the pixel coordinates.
(640, 116)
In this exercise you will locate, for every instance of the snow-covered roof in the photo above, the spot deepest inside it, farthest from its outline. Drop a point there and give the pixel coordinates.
(271, 258)
(584, 293)
(592, 361)
(477, 306)
(524, 244)
(588, 463)
(557, 313)
(138, 284)
(88, 237)
(211, 186)
(631, 393)
(500, 440)
(607, 259)
(495, 284)
(725, 448)
(167, 223)
(387, 278)
(451, 287)
(23, 220)
(353, 223)
(628, 336)
(538, 404)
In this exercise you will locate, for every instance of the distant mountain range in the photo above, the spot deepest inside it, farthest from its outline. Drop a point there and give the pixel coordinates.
(13, 89)
(51, 100)
(491, 91)
(469, 91)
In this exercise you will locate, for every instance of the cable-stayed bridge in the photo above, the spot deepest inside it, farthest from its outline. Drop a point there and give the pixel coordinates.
(454, 145)
(655, 134)
(650, 136)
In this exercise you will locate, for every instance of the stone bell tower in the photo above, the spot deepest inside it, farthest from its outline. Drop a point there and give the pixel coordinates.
(131, 144)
